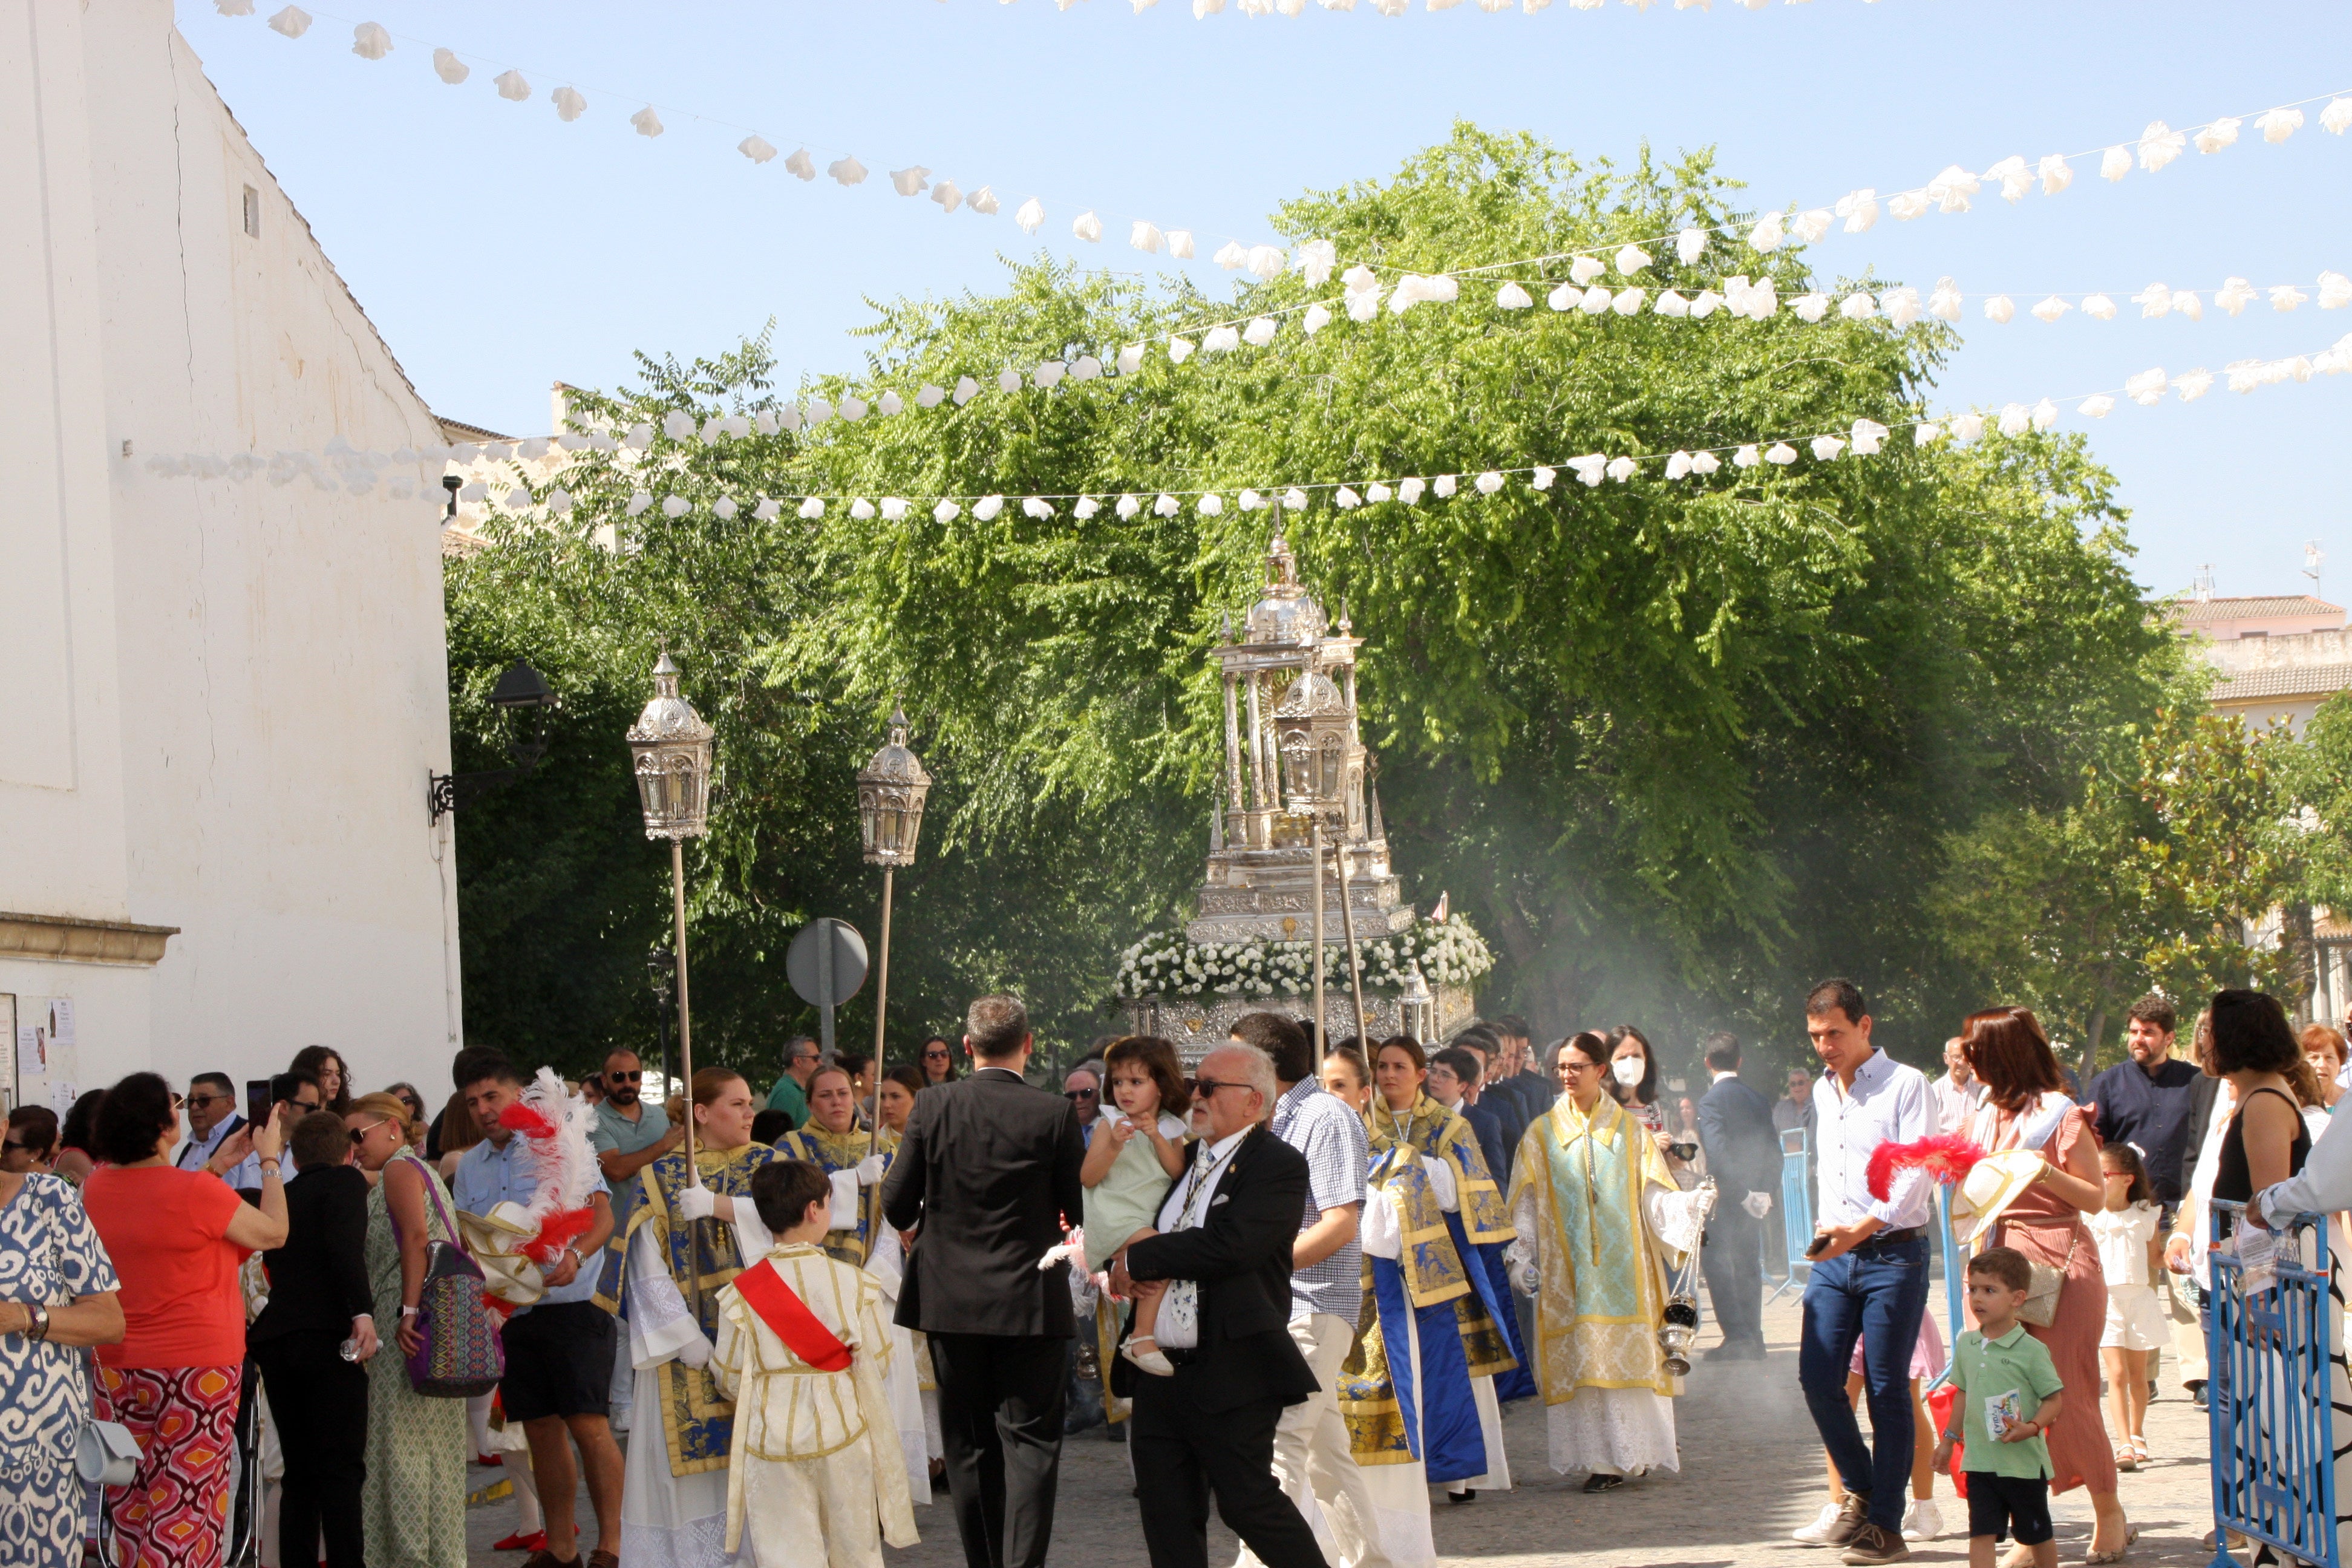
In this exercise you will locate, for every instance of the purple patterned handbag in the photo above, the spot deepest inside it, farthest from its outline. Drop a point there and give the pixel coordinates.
(460, 1354)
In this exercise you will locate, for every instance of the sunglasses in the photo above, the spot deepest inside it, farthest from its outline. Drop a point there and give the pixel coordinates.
(617, 1075)
(1079, 1093)
(359, 1134)
(1203, 1088)
(938, 1056)
(17, 1145)
(178, 1103)
(208, 1100)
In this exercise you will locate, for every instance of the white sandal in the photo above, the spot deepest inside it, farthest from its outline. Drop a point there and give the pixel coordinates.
(1151, 1361)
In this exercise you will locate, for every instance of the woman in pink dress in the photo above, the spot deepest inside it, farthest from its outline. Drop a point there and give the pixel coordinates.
(2025, 1106)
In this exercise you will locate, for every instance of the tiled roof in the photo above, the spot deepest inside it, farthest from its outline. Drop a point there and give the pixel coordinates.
(2285, 680)
(2263, 608)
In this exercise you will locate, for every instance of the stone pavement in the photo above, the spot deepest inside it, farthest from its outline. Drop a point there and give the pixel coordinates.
(1751, 1472)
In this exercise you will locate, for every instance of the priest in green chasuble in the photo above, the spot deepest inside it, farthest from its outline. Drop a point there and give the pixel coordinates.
(1601, 1222)
(674, 1489)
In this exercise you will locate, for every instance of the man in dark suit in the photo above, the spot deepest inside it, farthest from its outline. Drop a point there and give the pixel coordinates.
(318, 1299)
(1224, 1239)
(989, 1170)
(1743, 1155)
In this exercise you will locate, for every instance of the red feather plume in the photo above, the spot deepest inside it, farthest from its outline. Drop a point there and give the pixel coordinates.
(526, 1120)
(556, 1232)
(1945, 1157)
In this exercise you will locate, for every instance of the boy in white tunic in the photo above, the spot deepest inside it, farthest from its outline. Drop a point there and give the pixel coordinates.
(803, 1351)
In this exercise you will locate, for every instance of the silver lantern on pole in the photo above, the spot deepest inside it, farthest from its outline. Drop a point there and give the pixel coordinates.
(891, 789)
(673, 748)
(1417, 1009)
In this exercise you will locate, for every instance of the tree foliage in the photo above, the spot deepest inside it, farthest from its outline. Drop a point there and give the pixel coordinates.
(1678, 749)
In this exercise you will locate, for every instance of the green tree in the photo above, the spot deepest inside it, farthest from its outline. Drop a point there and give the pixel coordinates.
(1678, 748)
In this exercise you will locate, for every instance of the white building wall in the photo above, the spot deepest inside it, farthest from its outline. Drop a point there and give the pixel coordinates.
(226, 694)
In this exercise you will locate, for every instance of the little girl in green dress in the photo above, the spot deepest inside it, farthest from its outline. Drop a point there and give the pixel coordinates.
(1137, 1150)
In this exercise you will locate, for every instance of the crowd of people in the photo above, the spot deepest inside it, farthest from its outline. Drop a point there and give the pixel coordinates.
(1302, 1280)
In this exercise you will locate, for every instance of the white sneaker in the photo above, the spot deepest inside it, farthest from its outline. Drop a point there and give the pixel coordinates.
(1818, 1532)
(1921, 1520)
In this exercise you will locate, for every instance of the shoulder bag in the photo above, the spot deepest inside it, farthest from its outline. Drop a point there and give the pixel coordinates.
(2040, 1307)
(460, 1353)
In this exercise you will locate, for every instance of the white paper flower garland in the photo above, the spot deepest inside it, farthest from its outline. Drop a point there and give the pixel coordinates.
(405, 473)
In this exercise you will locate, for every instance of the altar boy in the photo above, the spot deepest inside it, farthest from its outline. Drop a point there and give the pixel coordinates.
(802, 1351)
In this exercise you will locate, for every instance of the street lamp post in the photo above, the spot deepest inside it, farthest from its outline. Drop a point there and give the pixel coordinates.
(891, 794)
(673, 747)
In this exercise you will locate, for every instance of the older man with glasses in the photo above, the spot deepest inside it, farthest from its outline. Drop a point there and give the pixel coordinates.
(791, 1093)
(1083, 1088)
(213, 1121)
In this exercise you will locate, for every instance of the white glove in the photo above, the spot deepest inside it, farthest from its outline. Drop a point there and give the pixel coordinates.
(697, 1203)
(844, 1200)
(1524, 1279)
(1383, 1231)
(870, 1169)
(695, 1352)
(1758, 1205)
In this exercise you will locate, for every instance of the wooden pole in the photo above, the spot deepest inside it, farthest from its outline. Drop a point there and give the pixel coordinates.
(686, 1070)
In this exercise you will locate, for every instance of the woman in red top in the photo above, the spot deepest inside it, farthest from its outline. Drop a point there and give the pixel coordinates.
(176, 1238)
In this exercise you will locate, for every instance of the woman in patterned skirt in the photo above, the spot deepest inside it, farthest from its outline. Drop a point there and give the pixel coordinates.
(413, 1505)
(57, 1294)
(176, 1238)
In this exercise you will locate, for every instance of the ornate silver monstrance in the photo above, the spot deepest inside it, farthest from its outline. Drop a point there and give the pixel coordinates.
(1290, 718)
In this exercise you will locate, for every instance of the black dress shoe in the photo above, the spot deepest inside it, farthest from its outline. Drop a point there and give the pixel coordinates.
(1601, 1481)
(1467, 1494)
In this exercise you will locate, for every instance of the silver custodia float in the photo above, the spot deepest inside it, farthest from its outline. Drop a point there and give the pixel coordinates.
(1291, 720)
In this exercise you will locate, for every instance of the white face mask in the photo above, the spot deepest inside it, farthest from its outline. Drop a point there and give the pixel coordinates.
(1628, 1070)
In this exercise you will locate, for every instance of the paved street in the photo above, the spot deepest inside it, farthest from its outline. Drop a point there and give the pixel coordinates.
(1750, 1474)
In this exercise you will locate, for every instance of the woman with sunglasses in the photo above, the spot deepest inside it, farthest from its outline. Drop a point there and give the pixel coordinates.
(413, 1503)
(935, 1057)
(32, 1141)
(406, 1094)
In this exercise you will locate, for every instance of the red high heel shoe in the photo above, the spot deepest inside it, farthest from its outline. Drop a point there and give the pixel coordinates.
(535, 1541)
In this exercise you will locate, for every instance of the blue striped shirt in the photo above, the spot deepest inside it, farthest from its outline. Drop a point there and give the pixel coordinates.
(1338, 1150)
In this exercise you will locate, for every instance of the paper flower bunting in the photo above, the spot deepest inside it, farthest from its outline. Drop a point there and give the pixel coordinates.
(2185, 302)
(1146, 237)
(2050, 310)
(946, 512)
(1967, 428)
(986, 508)
(2218, 136)
(1166, 506)
(676, 506)
(1180, 243)
(1628, 301)
(1295, 498)
(1944, 304)
(966, 389)
(639, 503)
(1127, 506)
(1951, 189)
(890, 403)
(1859, 208)
(1811, 226)
(1511, 296)
(1543, 476)
(1086, 367)
(1671, 303)
(802, 166)
(1909, 205)
(2154, 301)
(1048, 374)
(1766, 234)
(1999, 310)
(1036, 507)
(1008, 381)
(2115, 162)
(1179, 350)
(1869, 435)
(911, 181)
(1747, 458)
(1259, 332)
(1230, 256)
(757, 148)
(1409, 491)
(1220, 340)
(1780, 453)
(1630, 259)
(1690, 245)
(1858, 306)
(2054, 173)
(2286, 297)
(847, 170)
(948, 194)
(1825, 447)
(724, 509)
(2147, 388)
(2096, 408)
(1266, 262)
(861, 509)
(1345, 500)
(449, 68)
(1087, 506)
(1678, 464)
(2193, 384)
(1210, 505)
(2098, 307)
(2014, 177)
(370, 41)
(293, 22)
(1566, 297)
(1704, 462)
(2277, 124)
(1585, 269)
(2046, 415)
(1317, 318)
(983, 201)
(768, 511)
(1130, 359)
(1445, 484)
(2160, 145)
(2337, 118)
(1377, 491)
(511, 86)
(1317, 260)
(1621, 469)
(1086, 226)
(811, 508)
(1590, 468)
(570, 105)
(1810, 307)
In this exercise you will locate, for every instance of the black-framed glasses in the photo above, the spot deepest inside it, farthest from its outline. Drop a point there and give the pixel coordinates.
(617, 1076)
(1203, 1088)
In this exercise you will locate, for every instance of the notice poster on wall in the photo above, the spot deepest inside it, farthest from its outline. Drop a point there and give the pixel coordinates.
(61, 1097)
(61, 1022)
(32, 1052)
(8, 1082)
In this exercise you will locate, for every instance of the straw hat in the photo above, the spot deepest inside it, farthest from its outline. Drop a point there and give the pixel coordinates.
(1992, 1183)
(493, 1239)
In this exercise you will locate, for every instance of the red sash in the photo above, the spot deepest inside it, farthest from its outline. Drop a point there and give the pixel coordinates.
(764, 1291)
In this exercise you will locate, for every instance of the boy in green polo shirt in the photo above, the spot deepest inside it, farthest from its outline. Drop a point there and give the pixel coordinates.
(2009, 1396)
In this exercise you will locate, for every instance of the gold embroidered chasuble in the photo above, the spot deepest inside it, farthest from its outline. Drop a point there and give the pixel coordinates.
(1580, 1189)
(697, 1420)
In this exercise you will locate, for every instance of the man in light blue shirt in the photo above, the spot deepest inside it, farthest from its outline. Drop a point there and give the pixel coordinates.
(1869, 1273)
(560, 1351)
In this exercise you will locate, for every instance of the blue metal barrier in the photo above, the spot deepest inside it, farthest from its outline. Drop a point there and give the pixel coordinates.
(1796, 1208)
(1956, 1283)
(2273, 1420)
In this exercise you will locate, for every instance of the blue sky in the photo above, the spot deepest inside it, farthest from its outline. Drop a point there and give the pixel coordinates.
(500, 249)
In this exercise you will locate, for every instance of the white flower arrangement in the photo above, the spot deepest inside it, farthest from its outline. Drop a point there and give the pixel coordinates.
(1164, 963)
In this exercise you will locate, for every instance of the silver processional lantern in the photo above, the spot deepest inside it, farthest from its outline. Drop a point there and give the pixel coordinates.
(891, 789)
(1417, 1008)
(673, 748)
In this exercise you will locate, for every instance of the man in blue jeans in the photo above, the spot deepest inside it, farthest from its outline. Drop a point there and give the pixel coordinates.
(1870, 1273)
